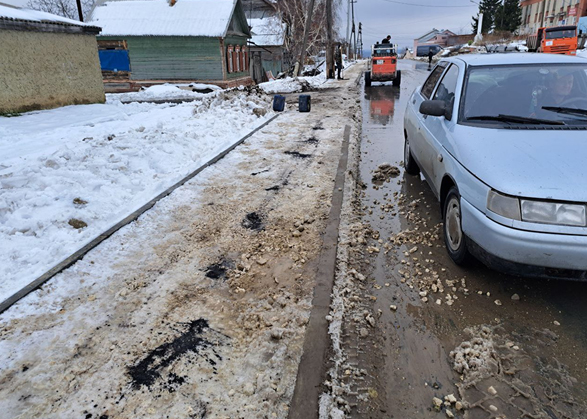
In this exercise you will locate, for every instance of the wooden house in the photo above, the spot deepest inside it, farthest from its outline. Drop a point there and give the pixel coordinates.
(147, 42)
(268, 42)
(46, 61)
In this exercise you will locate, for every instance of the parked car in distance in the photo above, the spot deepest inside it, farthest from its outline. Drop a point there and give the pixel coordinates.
(422, 50)
(501, 139)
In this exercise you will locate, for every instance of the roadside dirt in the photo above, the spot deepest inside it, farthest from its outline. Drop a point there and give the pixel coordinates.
(198, 309)
(417, 337)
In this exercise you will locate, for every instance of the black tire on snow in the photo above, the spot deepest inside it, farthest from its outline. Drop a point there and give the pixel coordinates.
(367, 78)
(398, 78)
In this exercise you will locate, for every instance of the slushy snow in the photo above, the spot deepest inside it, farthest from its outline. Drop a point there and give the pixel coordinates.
(97, 164)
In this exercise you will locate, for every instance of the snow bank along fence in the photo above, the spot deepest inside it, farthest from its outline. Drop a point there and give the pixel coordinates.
(69, 261)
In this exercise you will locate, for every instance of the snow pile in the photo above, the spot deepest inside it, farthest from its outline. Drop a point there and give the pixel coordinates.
(167, 91)
(582, 53)
(297, 84)
(68, 174)
(11, 12)
(209, 18)
(287, 85)
(475, 359)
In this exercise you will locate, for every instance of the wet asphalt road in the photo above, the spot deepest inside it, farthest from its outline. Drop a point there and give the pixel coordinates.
(408, 356)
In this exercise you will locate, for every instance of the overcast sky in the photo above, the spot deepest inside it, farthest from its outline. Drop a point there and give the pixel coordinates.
(404, 20)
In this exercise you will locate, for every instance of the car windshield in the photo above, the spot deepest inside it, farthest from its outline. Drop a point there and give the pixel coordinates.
(383, 52)
(554, 92)
(567, 33)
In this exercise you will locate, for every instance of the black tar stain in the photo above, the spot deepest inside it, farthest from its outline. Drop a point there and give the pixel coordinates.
(148, 371)
(297, 154)
(262, 171)
(216, 271)
(253, 220)
(312, 140)
(273, 188)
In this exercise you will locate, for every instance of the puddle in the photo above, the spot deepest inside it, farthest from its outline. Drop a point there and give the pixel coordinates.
(253, 220)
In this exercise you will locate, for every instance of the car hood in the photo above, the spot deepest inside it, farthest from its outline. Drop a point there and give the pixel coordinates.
(543, 164)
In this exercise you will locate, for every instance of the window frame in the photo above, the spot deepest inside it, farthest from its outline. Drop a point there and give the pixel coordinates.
(442, 77)
(444, 65)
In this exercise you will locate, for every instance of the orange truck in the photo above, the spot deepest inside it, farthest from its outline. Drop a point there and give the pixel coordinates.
(554, 40)
(383, 65)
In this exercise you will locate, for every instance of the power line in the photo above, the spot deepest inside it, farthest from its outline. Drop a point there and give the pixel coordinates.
(421, 5)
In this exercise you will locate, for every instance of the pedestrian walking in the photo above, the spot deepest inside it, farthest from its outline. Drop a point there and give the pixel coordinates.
(338, 60)
(430, 55)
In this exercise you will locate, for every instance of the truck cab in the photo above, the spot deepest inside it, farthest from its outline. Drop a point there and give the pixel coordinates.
(554, 40)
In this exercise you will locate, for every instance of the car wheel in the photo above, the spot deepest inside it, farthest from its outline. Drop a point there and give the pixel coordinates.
(454, 238)
(409, 163)
(367, 78)
(398, 78)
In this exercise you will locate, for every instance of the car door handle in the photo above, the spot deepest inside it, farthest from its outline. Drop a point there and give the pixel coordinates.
(440, 158)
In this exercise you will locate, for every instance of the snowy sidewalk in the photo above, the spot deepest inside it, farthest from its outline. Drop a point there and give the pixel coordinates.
(199, 307)
(68, 174)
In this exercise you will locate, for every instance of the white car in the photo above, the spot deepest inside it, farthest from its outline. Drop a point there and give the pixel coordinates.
(502, 141)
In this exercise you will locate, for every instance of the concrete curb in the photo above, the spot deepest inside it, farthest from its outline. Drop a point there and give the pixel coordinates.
(66, 263)
(313, 365)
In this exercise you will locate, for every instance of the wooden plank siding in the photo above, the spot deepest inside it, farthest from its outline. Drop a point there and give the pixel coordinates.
(179, 57)
(174, 57)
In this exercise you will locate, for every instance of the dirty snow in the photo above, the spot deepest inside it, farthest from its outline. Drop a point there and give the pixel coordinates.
(190, 270)
(97, 164)
(166, 91)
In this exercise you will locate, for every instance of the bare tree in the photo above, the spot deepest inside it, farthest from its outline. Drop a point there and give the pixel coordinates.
(294, 13)
(65, 8)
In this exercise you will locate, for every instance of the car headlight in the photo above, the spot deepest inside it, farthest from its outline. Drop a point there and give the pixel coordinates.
(553, 213)
(537, 211)
(506, 206)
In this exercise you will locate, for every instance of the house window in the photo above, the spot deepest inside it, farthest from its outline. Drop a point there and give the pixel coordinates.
(230, 58)
(237, 50)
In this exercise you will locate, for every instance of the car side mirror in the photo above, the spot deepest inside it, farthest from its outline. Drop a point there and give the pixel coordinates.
(433, 108)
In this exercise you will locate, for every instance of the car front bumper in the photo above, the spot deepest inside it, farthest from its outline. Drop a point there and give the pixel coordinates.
(556, 255)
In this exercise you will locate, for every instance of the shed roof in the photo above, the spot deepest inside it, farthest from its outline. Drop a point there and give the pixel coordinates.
(209, 18)
(12, 17)
(269, 31)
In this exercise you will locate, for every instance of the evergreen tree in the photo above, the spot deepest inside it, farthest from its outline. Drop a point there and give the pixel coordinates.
(508, 16)
(489, 9)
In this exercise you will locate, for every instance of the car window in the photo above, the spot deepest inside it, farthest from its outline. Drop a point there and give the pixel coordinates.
(432, 80)
(446, 89)
(556, 92)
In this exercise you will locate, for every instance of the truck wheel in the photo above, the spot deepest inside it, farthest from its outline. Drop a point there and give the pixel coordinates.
(367, 78)
(454, 237)
(398, 78)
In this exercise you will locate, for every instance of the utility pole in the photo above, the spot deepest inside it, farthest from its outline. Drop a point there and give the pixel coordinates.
(348, 27)
(360, 40)
(79, 10)
(306, 34)
(353, 34)
(329, 45)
